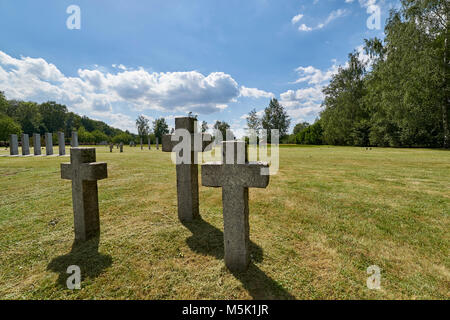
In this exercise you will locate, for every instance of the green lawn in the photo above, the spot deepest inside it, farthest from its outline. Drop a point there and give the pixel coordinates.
(328, 214)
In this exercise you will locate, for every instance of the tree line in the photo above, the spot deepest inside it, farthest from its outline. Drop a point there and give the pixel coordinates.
(402, 98)
(17, 117)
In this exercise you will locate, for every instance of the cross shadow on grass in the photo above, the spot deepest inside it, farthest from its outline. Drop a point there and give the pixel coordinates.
(86, 256)
(207, 239)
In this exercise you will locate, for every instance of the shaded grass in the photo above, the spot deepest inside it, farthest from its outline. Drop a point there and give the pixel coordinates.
(328, 214)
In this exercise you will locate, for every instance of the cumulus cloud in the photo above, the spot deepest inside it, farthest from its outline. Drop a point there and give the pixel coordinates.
(313, 75)
(98, 90)
(255, 93)
(306, 102)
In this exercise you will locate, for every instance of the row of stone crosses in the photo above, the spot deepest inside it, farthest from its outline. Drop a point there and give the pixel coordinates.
(133, 144)
(235, 177)
(14, 144)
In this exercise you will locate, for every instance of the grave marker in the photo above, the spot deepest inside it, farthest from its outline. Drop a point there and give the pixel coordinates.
(61, 144)
(74, 141)
(187, 172)
(14, 145)
(37, 144)
(235, 175)
(25, 144)
(84, 173)
(48, 144)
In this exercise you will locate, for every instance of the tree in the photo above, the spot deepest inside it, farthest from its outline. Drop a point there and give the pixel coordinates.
(343, 103)
(142, 125)
(300, 126)
(222, 126)
(253, 121)
(311, 134)
(53, 116)
(7, 127)
(160, 128)
(3, 103)
(73, 122)
(122, 137)
(85, 136)
(99, 136)
(28, 116)
(275, 117)
(204, 126)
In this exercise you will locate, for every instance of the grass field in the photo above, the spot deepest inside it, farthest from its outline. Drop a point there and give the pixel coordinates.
(328, 214)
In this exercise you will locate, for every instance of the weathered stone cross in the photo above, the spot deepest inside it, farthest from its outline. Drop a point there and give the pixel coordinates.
(84, 173)
(186, 167)
(235, 175)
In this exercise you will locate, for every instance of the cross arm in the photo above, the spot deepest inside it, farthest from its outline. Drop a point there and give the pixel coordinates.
(66, 171)
(248, 175)
(212, 173)
(94, 171)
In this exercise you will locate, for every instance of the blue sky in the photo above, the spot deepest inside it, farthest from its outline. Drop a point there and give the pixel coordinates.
(219, 59)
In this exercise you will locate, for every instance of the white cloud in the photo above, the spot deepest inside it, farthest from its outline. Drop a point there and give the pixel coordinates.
(349, 1)
(255, 93)
(367, 3)
(96, 90)
(296, 18)
(332, 16)
(313, 75)
(306, 102)
(304, 27)
(258, 113)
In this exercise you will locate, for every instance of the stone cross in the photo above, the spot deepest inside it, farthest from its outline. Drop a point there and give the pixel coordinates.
(121, 147)
(14, 145)
(111, 146)
(84, 173)
(235, 175)
(149, 143)
(157, 143)
(25, 144)
(37, 144)
(187, 173)
(61, 144)
(48, 144)
(74, 142)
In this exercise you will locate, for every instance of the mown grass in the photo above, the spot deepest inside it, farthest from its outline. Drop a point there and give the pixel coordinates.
(328, 214)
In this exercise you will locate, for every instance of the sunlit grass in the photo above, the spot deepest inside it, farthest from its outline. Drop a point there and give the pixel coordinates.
(328, 214)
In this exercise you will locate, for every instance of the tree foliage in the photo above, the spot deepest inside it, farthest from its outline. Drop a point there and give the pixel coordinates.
(160, 128)
(142, 125)
(223, 126)
(403, 99)
(275, 117)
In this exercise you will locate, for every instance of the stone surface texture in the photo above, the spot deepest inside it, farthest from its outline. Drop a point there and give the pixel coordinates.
(84, 173)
